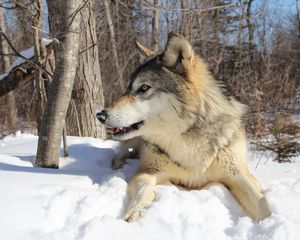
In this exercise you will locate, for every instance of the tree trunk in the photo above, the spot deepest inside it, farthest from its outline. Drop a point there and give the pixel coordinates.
(87, 95)
(148, 41)
(12, 112)
(250, 26)
(186, 23)
(239, 60)
(155, 25)
(114, 45)
(41, 98)
(298, 17)
(23, 16)
(64, 20)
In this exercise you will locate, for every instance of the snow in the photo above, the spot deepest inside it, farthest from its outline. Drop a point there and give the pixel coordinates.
(85, 199)
(28, 53)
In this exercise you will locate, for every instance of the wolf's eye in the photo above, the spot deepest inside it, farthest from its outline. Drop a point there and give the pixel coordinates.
(144, 88)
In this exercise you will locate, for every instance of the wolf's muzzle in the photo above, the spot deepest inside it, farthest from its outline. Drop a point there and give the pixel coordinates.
(102, 116)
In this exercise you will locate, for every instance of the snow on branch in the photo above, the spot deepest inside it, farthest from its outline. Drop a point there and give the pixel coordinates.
(21, 71)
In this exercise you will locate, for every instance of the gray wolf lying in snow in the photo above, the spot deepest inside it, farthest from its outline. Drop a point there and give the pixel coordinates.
(191, 127)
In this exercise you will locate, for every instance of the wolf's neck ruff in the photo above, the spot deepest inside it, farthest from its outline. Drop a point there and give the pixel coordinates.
(200, 112)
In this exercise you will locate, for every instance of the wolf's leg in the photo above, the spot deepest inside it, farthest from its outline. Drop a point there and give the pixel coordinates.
(246, 189)
(141, 193)
(155, 168)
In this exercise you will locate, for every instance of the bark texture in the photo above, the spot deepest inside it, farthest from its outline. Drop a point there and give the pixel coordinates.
(87, 95)
(41, 97)
(155, 25)
(12, 111)
(64, 20)
(120, 79)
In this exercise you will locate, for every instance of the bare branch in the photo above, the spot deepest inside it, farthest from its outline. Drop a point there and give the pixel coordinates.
(73, 15)
(21, 56)
(48, 34)
(9, 5)
(199, 10)
(8, 54)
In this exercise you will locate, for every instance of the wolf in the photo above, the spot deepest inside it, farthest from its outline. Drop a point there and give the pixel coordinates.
(191, 126)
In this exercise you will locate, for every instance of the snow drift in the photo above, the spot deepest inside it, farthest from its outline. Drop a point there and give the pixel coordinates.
(85, 199)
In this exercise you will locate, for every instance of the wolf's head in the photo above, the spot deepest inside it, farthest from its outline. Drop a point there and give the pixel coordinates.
(162, 93)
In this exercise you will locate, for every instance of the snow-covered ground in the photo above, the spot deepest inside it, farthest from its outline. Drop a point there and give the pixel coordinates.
(85, 199)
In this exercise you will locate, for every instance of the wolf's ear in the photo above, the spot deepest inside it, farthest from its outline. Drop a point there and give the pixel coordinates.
(146, 52)
(177, 49)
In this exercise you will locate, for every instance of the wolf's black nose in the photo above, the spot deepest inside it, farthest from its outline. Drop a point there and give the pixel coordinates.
(102, 116)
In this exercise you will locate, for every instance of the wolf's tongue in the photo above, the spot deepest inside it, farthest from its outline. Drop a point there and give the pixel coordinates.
(115, 130)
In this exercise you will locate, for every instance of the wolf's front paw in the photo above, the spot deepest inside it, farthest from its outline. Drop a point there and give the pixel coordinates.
(133, 215)
(117, 163)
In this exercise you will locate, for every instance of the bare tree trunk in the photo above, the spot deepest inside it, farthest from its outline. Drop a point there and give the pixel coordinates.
(298, 16)
(41, 97)
(239, 60)
(64, 19)
(148, 30)
(12, 112)
(23, 16)
(87, 95)
(66, 153)
(249, 24)
(155, 25)
(186, 23)
(114, 45)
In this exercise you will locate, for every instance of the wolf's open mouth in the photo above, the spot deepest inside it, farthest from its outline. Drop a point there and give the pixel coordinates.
(117, 131)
